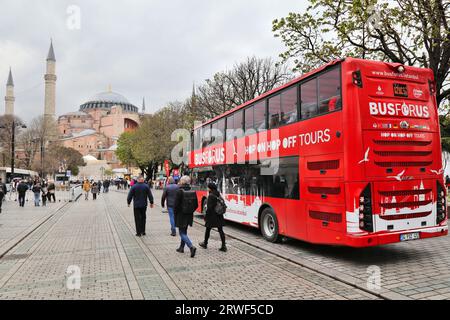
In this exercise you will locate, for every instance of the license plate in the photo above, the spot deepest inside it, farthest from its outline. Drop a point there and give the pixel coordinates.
(410, 236)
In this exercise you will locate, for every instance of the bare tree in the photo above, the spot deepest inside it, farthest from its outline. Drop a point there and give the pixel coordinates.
(244, 82)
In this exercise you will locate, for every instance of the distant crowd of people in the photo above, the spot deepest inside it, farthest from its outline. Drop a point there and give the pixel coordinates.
(43, 191)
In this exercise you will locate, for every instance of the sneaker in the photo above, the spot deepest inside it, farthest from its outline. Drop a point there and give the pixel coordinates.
(204, 245)
(223, 248)
(173, 234)
(138, 234)
(144, 234)
(193, 250)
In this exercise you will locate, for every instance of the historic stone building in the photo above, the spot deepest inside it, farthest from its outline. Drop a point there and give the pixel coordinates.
(96, 127)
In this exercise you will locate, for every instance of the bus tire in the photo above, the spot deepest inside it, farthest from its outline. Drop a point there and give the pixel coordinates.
(269, 225)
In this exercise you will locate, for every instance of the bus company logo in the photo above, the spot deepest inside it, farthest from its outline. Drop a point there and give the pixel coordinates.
(398, 109)
(417, 93)
(210, 157)
(380, 91)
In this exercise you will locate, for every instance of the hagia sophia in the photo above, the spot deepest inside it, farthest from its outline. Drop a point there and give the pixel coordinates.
(95, 127)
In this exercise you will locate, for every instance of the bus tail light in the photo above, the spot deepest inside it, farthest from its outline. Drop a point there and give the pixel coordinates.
(365, 210)
(441, 204)
(357, 80)
(432, 87)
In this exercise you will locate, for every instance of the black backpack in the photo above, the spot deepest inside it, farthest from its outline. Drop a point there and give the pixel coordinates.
(190, 202)
(221, 207)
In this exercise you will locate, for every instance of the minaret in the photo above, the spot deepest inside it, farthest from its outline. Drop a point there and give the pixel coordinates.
(9, 98)
(50, 84)
(143, 105)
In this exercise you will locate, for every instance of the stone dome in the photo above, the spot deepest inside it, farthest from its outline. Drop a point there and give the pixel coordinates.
(106, 100)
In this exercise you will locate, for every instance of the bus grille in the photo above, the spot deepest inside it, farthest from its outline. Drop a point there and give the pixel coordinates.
(405, 204)
(406, 216)
(326, 216)
(402, 143)
(403, 164)
(404, 193)
(323, 165)
(402, 153)
(324, 190)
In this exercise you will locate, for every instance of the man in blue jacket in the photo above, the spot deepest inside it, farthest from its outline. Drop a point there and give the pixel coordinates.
(139, 193)
(169, 195)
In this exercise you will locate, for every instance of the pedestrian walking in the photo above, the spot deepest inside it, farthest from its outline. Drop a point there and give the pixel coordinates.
(44, 195)
(86, 189)
(22, 188)
(94, 190)
(37, 194)
(51, 191)
(139, 195)
(3, 191)
(185, 205)
(213, 219)
(169, 194)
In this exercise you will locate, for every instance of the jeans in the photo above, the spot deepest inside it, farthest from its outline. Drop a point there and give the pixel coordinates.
(86, 195)
(172, 219)
(37, 199)
(184, 238)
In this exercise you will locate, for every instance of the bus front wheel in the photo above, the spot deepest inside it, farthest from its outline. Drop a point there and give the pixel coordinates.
(269, 225)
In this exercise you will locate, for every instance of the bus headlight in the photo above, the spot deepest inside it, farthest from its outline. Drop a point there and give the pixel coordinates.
(441, 205)
(365, 210)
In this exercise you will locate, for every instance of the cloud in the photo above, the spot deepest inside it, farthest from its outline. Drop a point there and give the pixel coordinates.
(155, 49)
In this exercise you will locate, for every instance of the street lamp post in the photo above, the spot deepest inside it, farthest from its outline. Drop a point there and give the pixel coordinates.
(13, 144)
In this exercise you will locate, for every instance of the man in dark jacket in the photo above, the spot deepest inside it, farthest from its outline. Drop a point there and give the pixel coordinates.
(139, 194)
(185, 205)
(22, 188)
(212, 219)
(3, 192)
(169, 194)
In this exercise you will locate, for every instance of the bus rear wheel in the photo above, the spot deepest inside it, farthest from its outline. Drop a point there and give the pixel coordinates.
(269, 225)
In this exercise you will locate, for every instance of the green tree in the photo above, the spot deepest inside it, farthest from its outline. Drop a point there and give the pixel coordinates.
(125, 145)
(411, 32)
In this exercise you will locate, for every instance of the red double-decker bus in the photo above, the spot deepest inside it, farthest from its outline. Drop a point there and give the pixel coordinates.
(348, 154)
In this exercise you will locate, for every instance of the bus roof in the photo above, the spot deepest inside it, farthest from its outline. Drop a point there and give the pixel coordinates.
(268, 93)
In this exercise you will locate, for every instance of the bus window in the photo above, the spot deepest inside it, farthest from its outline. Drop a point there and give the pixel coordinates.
(248, 126)
(238, 124)
(309, 99)
(197, 139)
(330, 91)
(221, 130)
(274, 112)
(259, 116)
(289, 106)
(206, 141)
(214, 129)
(230, 127)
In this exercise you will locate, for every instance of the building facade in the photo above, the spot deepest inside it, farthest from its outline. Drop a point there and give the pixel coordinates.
(96, 127)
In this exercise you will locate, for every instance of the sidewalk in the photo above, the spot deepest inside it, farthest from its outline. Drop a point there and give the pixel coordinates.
(98, 238)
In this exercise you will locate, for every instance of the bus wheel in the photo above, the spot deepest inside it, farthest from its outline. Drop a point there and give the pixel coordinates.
(269, 225)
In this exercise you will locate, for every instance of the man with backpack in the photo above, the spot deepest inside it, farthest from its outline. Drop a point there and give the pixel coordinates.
(184, 207)
(214, 216)
(3, 191)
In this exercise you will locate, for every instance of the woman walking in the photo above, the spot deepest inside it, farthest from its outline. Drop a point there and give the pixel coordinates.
(37, 194)
(185, 205)
(212, 219)
(86, 189)
(95, 190)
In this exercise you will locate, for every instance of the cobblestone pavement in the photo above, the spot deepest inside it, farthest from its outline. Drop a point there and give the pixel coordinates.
(409, 270)
(98, 238)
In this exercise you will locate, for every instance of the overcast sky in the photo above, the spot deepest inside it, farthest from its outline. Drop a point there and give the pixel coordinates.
(151, 48)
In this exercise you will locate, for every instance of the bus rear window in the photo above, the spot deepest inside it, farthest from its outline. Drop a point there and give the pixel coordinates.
(330, 91)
